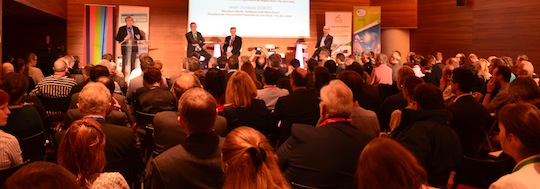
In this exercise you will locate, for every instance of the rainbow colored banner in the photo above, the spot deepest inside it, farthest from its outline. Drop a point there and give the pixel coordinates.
(98, 33)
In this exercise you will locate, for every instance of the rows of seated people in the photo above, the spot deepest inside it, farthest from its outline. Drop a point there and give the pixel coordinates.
(256, 122)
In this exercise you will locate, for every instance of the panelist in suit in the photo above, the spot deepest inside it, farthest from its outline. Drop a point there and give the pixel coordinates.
(128, 35)
(233, 44)
(195, 45)
(324, 42)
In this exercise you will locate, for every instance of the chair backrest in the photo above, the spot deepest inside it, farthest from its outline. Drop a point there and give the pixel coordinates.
(480, 173)
(54, 106)
(144, 119)
(33, 147)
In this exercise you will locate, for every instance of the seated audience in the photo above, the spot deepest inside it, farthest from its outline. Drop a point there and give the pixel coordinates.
(384, 163)
(332, 68)
(321, 76)
(369, 93)
(136, 82)
(325, 156)
(525, 90)
(249, 161)
(520, 138)
(394, 102)
(248, 68)
(270, 92)
(215, 84)
(11, 154)
(482, 75)
(56, 86)
(426, 65)
(42, 175)
(242, 109)
(195, 163)
(82, 152)
(382, 74)
(35, 73)
(427, 134)
(20, 67)
(154, 97)
(501, 77)
(408, 88)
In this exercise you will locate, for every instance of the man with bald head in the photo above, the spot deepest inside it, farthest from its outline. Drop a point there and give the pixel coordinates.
(301, 106)
(57, 85)
(324, 42)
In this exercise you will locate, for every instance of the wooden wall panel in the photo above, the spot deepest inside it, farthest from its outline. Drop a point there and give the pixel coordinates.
(54, 7)
(398, 13)
(168, 24)
(442, 26)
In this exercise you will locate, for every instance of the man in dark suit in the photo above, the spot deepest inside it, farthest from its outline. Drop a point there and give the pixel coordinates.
(324, 42)
(470, 118)
(128, 36)
(233, 44)
(325, 156)
(195, 45)
(301, 106)
(195, 163)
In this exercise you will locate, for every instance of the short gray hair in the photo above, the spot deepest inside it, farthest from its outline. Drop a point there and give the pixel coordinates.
(337, 98)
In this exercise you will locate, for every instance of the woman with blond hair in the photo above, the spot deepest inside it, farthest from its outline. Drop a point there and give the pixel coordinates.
(384, 163)
(82, 152)
(241, 107)
(249, 161)
(482, 73)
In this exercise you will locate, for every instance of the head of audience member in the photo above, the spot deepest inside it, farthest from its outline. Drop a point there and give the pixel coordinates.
(240, 90)
(425, 64)
(353, 80)
(482, 69)
(260, 61)
(366, 57)
(98, 71)
(453, 62)
(248, 68)
(395, 57)
(197, 111)
(410, 58)
(222, 62)
(299, 79)
(201, 76)
(270, 76)
(324, 55)
(60, 67)
(494, 63)
(431, 59)
(20, 66)
(244, 60)
(521, 57)
(321, 77)
(146, 62)
(212, 63)
(7, 58)
(108, 57)
(438, 57)
(525, 68)
(249, 161)
(193, 26)
(143, 55)
(519, 126)
(381, 59)
(94, 99)
(4, 109)
(152, 77)
(15, 84)
(447, 73)
(158, 64)
(7, 68)
(183, 83)
(295, 63)
(472, 58)
(384, 163)
(402, 74)
(460, 57)
(331, 66)
(340, 58)
(336, 100)
(312, 64)
(427, 97)
(42, 175)
(108, 82)
(215, 83)
(508, 61)
(350, 59)
(104, 62)
(82, 150)
(490, 59)
(30, 59)
(193, 64)
(416, 59)
(86, 71)
(525, 89)
(502, 74)
(275, 60)
(409, 85)
(462, 81)
(234, 62)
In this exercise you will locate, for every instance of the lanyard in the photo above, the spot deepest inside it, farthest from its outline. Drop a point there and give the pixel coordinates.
(335, 119)
(527, 162)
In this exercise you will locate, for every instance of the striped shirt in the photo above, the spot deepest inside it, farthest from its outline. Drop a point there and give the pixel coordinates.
(10, 152)
(54, 87)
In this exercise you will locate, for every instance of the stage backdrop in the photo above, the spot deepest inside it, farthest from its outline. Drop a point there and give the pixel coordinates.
(340, 24)
(367, 30)
(98, 32)
(141, 17)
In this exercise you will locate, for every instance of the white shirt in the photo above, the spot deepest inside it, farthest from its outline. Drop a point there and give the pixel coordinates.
(525, 178)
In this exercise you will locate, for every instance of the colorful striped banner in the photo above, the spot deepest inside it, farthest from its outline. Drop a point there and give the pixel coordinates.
(98, 33)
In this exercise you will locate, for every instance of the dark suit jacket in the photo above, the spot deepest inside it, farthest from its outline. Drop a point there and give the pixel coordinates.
(191, 40)
(168, 132)
(256, 116)
(122, 33)
(196, 163)
(237, 44)
(327, 42)
(155, 100)
(322, 157)
(113, 117)
(470, 121)
(301, 106)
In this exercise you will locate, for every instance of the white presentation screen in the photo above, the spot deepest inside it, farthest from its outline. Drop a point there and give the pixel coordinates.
(252, 18)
